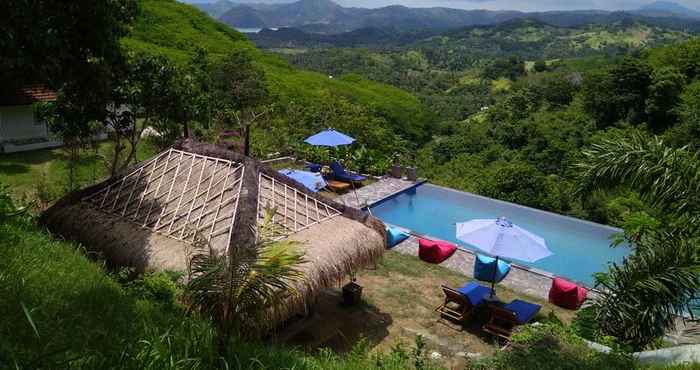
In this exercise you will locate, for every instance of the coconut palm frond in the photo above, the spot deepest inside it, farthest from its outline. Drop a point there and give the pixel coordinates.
(642, 296)
(242, 290)
(667, 177)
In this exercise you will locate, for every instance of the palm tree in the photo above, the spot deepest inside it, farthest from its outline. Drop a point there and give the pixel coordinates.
(668, 178)
(641, 298)
(241, 290)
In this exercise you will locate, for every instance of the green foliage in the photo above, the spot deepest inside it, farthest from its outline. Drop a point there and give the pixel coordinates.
(641, 297)
(552, 346)
(665, 177)
(619, 93)
(664, 95)
(687, 132)
(64, 45)
(242, 288)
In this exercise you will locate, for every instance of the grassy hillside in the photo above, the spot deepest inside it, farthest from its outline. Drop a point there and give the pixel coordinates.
(176, 30)
(532, 39)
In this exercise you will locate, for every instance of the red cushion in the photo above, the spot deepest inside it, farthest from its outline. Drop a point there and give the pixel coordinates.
(566, 294)
(434, 251)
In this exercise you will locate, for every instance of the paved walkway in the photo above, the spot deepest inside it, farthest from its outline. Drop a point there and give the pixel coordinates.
(374, 192)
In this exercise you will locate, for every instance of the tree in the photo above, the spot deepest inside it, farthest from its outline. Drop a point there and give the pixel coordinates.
(540, 66)
(664, 94)
(240, 289)
(666, 178)
(659, 279)
(240, 93)
(641, 297)
(55, 42)
(687, 132)
(517, 182)
(619, 93)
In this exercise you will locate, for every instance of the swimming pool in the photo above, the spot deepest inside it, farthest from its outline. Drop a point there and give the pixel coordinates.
(580, 248)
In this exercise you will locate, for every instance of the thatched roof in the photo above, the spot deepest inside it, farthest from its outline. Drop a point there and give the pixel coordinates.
(146, 217)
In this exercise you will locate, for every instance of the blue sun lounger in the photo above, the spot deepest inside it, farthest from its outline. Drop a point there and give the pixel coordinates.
(339, 173)
(312, 181)
(504, 319)
(460, 303)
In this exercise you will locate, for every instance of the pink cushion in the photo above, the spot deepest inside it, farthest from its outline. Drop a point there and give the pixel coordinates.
(434, 251)
(566, 294)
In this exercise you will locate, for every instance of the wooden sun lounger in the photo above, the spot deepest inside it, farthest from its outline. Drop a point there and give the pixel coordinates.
(505, 319)
(456, 306)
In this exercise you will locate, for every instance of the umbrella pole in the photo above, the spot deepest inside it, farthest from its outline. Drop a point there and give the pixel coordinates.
(493, 280)
(357, 198)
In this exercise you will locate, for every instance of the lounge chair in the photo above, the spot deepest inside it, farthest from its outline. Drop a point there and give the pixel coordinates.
(460, 303)
(314, 167)
(339, 173)
(505, 319)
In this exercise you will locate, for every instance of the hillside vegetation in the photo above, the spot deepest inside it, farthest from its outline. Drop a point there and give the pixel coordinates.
(326, 16)
(176, 30)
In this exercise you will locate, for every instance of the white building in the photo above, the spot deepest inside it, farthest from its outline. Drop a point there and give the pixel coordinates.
(20, 130)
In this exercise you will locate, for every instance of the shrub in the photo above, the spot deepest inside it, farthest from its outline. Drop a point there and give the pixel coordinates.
(554, 347)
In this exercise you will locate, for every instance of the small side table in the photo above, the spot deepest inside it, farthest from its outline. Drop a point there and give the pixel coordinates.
(338, 186)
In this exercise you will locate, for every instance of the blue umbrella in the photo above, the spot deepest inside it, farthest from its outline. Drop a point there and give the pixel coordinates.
(330, 137)
(502, 238)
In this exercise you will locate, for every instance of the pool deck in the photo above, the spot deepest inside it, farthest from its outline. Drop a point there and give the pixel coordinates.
(530, 282)
(374, 192)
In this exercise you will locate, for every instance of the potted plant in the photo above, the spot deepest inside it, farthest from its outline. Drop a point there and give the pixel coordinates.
(352, 293)
(396, 166)
(411, 173)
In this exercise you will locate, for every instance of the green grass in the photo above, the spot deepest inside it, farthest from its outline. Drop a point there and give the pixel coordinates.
(47, 170)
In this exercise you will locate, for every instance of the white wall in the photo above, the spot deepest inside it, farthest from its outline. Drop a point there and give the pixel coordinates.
(17, 122)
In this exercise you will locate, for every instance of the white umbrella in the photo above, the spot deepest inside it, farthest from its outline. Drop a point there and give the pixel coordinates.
(500, 237)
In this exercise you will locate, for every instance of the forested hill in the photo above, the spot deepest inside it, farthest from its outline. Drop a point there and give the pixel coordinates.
(526, 38)
(177, 30)
(325, 16)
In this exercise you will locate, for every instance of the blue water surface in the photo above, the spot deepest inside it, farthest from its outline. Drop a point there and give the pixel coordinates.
(580, 248)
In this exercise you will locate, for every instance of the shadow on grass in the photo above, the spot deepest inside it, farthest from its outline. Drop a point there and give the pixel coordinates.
(13, 169)
(339, 328)
(34, 157)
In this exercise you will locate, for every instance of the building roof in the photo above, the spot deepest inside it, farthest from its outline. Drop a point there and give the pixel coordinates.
(148, 217)
(26, 95)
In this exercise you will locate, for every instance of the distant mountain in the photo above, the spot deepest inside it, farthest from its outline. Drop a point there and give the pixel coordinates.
(325, 16)
(216, 9)
(666, 9)
(523, 37)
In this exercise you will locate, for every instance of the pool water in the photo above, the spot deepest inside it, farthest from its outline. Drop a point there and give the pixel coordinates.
(580, 248)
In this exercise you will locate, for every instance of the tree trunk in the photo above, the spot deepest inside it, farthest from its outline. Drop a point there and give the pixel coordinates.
(246, 140)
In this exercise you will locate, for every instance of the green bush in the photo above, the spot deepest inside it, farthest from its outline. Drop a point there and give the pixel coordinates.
(554, 347)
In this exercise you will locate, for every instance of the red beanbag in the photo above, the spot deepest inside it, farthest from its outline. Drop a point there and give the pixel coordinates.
(434, 251)
(566, 294)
